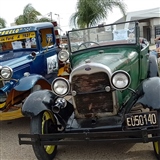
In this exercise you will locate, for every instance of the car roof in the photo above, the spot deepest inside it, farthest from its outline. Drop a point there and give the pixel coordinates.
(32, 26)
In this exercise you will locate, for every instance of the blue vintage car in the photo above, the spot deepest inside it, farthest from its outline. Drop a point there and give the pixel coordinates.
(28, 62)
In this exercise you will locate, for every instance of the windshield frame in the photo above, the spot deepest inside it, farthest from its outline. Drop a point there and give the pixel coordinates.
(76, 31)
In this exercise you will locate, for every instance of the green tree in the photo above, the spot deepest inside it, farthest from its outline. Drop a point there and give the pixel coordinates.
(30, 15)
(2, 23)
(44, 19)
(91, 12)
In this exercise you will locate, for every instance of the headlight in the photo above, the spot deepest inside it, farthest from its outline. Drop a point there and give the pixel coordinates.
(6, 73)
(60, 86)
(63, 55)
(120, 80)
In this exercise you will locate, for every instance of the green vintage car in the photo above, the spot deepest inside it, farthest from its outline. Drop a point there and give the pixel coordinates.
(111, 92)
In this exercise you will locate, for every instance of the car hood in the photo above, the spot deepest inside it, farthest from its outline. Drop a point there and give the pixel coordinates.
(114, 59)
(14, 59)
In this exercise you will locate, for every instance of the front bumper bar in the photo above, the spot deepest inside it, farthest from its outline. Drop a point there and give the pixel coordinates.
(67, 138)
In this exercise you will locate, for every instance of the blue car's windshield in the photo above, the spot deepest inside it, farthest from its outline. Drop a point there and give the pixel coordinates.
(21, 42)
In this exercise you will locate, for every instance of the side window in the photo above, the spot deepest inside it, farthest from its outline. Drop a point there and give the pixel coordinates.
(157, 31)
(46, 36)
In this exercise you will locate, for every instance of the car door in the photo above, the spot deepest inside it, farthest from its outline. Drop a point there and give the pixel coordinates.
(49, 53)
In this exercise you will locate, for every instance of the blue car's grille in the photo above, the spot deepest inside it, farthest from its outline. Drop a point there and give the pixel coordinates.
(91, 96)
(1, 83)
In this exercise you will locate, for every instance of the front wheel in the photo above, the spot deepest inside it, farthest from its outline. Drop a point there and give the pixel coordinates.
(156, 145)
(44, 123)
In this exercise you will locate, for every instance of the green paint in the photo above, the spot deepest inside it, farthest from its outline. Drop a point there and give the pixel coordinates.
(116, 58)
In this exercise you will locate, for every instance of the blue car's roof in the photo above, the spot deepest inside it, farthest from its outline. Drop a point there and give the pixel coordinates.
(24, 28)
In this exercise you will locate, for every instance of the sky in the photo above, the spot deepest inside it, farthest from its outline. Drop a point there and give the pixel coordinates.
(10, 9)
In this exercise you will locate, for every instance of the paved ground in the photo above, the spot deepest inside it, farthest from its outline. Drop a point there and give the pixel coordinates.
(11, 150)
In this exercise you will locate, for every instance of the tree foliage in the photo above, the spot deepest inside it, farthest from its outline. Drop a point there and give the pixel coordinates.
(2, 23)
(30, 15)
(91, 12)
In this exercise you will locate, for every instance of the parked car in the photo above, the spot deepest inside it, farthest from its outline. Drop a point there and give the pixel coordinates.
(114, 85)
(28, 62)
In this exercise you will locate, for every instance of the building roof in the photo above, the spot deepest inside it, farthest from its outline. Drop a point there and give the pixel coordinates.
(142, 14)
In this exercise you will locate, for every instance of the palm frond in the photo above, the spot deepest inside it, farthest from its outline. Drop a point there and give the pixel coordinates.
(91, 12)
(2, 23)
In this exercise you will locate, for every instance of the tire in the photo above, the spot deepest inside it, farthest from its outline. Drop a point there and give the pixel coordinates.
(153, 66)
(156, 145)
(44, 123)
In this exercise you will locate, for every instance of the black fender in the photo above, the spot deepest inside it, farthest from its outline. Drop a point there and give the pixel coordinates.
(28, 82)
(44, 100)
(153, 66)
(37, 102)
(150, 93)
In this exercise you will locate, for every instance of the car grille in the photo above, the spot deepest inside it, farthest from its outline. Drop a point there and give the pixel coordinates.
(91, 96)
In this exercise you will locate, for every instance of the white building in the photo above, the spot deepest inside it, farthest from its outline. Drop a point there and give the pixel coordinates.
(149, 22)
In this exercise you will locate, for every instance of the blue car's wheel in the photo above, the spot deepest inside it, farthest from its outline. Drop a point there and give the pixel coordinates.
(44, 123)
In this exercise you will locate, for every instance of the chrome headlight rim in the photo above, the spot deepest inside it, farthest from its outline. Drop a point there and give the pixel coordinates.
(127, 76)
(2, 74)
(67, 84)
(63, 52)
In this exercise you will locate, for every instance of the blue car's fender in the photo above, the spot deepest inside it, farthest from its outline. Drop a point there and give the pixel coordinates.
(150, 93)
(28, 82)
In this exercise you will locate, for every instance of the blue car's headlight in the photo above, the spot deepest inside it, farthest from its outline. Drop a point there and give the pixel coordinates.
(6, 73)
(120, 80)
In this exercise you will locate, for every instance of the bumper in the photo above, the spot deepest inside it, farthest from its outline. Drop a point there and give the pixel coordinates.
(89, 136)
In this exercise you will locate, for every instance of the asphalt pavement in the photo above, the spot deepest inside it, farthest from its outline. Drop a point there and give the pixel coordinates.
(11, 150)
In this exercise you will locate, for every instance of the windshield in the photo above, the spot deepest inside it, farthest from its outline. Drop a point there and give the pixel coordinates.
(123, 33)
(21, 41)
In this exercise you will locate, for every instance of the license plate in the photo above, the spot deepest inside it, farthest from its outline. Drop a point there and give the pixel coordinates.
(139, 120)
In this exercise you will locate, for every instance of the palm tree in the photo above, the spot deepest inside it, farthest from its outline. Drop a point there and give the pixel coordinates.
(2, 23)
(91, 12)
(30, 15)
(44, 19)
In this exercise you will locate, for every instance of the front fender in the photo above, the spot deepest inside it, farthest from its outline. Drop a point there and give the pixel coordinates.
(153, 65)
(151, 93)
(37, 102)
(26, 83)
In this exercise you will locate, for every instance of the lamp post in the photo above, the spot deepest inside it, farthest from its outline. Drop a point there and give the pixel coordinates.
(50, 14)
(59, 23)
(58, 18)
